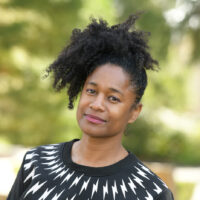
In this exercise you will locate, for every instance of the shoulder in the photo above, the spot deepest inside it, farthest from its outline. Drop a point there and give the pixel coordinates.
(165, 195)
(32, 167)
(47, 149)
(146, 181)
(39, 154)
(38, 159)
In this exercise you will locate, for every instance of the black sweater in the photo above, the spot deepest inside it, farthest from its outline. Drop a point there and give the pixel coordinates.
(48, 173)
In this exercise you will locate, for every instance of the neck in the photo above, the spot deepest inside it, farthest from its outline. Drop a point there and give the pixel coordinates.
(98, 152)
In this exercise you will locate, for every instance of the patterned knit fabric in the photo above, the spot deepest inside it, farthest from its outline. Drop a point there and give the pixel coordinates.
(48, 173)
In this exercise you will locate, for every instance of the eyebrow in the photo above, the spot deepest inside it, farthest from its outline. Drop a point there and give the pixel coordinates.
(112, 89)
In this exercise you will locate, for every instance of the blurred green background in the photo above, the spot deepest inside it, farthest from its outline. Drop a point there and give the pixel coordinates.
(32, 33)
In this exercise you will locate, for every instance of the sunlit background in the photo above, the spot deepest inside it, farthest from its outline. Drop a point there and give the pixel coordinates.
(167, 133)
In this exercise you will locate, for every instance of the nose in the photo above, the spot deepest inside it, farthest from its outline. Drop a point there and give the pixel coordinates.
(98, 103)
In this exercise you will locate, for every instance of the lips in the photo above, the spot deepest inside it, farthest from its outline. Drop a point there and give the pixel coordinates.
(94, 119)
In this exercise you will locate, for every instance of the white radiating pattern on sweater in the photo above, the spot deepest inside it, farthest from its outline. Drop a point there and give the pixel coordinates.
(95, 188)
(158, 190)
(46, 193)
(49, 157)
(72, 197)
(50, 152)
(57, 195)
(61, 174)
(138, 180)
(84, 186)
(123, 188)
(69, 175)
(50, 147)
(141, 173)
(105, 190)
(57, 170)
(132, 185)
(76, 180)
(51, 163)
(145, 168)
(70, 185)
(35, 188)
(149, 196)
(53, 167)
(31, 155)
(32, 175)
(114, 190)
(29, 164)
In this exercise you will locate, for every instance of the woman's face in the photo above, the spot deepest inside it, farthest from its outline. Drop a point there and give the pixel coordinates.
(105, 104)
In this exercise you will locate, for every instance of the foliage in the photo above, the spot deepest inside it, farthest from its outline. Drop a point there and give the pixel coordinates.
(33, 33)
(159, 143)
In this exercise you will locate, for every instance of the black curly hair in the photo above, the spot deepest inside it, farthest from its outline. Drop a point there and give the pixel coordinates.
(99, 44)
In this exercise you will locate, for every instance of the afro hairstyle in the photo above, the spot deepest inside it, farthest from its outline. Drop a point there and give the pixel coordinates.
(99, 44)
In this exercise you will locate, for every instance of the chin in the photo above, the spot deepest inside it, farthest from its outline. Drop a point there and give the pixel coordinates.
(97, 133)
(98, 136)
(94, 133)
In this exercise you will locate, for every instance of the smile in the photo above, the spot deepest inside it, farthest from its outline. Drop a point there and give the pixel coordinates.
(94, 119)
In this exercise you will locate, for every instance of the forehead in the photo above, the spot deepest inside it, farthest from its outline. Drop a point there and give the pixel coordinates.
(110, 75)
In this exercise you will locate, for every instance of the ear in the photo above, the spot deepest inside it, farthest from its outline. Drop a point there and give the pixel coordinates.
(134, 113)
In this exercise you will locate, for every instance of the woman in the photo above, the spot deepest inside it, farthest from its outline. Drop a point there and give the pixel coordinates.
(107, 66)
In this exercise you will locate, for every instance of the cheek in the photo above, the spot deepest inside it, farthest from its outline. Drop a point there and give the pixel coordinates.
(116, 110)
(79, 112)
(120, 114)
(81, 107)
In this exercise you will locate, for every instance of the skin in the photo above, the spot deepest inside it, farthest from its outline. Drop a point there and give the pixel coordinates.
(108, 94)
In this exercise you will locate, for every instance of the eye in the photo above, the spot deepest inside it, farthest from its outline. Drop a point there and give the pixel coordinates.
(90, 91)
(114, 99)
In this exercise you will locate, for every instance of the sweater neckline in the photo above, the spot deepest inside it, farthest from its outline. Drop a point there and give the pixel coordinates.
(95, 171)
